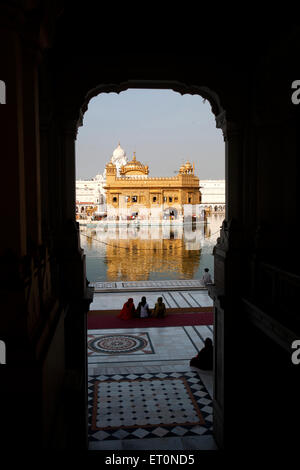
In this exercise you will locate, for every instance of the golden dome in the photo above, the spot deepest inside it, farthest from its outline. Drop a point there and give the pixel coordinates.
(134, 167)
(134, 162)
(186, 168)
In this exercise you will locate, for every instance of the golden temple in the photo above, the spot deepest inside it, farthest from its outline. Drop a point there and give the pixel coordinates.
(134, 194)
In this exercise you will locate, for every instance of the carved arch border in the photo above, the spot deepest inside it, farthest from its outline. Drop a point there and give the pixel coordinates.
(179, 87)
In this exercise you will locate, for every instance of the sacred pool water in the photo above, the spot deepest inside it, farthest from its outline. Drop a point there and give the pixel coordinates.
(131, 253)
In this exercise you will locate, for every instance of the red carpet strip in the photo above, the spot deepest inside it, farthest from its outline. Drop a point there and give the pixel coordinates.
(98, 321)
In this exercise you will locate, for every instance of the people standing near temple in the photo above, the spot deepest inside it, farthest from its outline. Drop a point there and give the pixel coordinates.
(206, 278)
(128, 310)
(143, 310)
(159, 309)
(204, 358)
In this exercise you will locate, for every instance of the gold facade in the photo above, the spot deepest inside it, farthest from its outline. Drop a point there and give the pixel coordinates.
(135, 191)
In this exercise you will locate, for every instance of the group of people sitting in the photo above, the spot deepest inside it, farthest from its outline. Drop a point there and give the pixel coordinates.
(204, 358)
(142, 311)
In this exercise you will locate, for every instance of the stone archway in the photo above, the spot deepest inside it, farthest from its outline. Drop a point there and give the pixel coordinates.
(221, 123)
(180, 87)
(72, 103)
(52, 57)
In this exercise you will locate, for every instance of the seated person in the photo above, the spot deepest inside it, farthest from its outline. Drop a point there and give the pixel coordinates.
(159, 309)
(143, 310)
(204, 358)
(206, 278)
(128, 310)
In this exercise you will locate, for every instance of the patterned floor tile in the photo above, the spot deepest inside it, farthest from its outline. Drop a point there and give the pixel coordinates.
(148, 405)
(119, 343)
(160, 432)
(148, 401)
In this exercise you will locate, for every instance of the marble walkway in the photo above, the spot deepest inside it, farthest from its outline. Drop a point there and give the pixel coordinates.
(182, 284)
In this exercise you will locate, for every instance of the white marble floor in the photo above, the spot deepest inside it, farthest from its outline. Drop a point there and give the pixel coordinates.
(163, 345)
(166, 392)
(172, 299)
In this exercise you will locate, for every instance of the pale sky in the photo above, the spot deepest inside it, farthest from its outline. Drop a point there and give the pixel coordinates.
(164, 128)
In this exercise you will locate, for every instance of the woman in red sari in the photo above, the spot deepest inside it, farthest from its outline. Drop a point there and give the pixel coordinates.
(128, 310)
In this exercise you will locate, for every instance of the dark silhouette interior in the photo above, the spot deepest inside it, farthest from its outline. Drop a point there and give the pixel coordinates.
(55, 56)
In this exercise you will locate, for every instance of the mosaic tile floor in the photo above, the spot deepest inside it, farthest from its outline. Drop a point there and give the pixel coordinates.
(121, 343)
(135, 403)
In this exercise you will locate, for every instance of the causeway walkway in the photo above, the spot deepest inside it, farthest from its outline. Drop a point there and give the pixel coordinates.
(148, 285)
(176, 294)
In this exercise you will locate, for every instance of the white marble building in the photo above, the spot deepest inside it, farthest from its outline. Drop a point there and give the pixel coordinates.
(91, 193)
(118, 158)
(213, 194)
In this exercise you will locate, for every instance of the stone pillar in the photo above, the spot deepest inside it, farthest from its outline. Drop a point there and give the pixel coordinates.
(29, 318)
(68, 137)
(226, 291)
(74, 291)
(32, 147)
(233, 170)
(18, 289)
(70, 252)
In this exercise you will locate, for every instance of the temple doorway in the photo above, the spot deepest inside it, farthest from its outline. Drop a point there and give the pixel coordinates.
(170, 214)
(127, 362)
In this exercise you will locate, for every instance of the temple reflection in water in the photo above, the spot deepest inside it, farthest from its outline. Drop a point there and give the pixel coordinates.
(128, 253)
